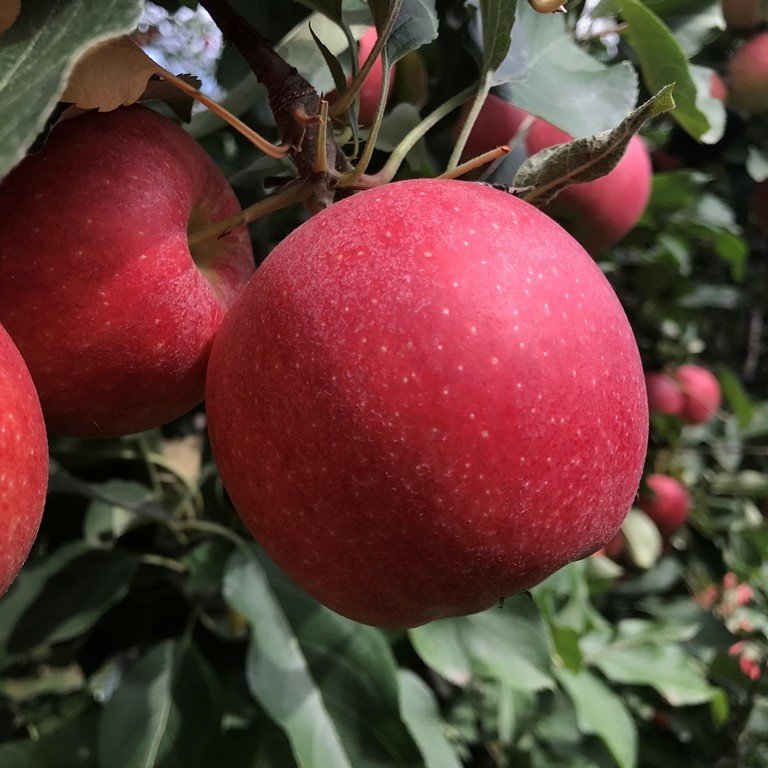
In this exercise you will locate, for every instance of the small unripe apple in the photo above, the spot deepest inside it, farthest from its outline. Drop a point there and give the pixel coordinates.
(664, 395)
(112, 310)
(666, 502)
(23, 462)
(701, 393)
(598, 213)
(742, 14)
(427, 399)
(748, 77)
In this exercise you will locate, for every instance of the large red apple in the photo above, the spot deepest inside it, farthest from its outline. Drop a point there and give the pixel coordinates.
(428, 398)
(23, 462)
(701, 393)
(664, 395)
(748, 77)
(666, 502)
(112, 311)
(598, 213)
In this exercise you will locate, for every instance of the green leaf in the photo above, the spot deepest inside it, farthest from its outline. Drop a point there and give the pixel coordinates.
(713, 108)
(552, 169)
(341, 707)
(274, 657)
(550, 76)
(74, 598)
(28, 586)
(509, 644)
(757, 163)
(498, 17)
(71, 746)
(106, 521)
(736, 396)
(662, 61)
(422, 716)
(567, 646)
(164, 713)
(666, 668)
(644, 542)
(601, 712)
(38, 53)
(416, 25)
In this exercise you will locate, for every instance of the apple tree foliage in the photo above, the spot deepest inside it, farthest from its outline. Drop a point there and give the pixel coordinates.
(148, 630)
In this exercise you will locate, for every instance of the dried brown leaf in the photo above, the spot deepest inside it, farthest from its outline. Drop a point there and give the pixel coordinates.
(117, 73)
(9, 12)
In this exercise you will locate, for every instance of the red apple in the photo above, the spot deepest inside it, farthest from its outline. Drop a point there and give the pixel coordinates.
(112, 311)
(717, 88)
(428, 398)
(742, 14)
(664, 395)
(701, 393)
(373, 83)
(748, 77)
(760, 206)
(599, 213)
(666, 502)
(23, 462)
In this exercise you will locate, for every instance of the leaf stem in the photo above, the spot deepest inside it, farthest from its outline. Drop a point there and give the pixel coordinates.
(475, 162)
(474, 111)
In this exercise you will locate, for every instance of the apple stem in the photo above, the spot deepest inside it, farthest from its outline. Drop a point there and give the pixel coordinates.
(477, 104)
(396, 159)
(292, 193)
(321, 157)
(345, 99)
(352, 177)
(267, 147)
(476, 162)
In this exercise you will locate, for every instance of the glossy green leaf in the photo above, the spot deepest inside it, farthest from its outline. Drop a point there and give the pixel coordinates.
(163, 714)
(422, 716)
(551, 77)
(601, 712)
(38, 53)
(662, 62)
(509, 644)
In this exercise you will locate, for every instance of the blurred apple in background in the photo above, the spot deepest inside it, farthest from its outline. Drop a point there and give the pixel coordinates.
(748, 77)
(701, 393)
(667, 502)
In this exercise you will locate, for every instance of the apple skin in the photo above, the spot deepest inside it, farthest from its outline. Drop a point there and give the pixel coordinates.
(717, 88)
(667, 503)
(597, 213)
(748, 77)
(98, 288)
(742, 14)
(701, 393)
(427, 399)
(23, 462)
(664, 395)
